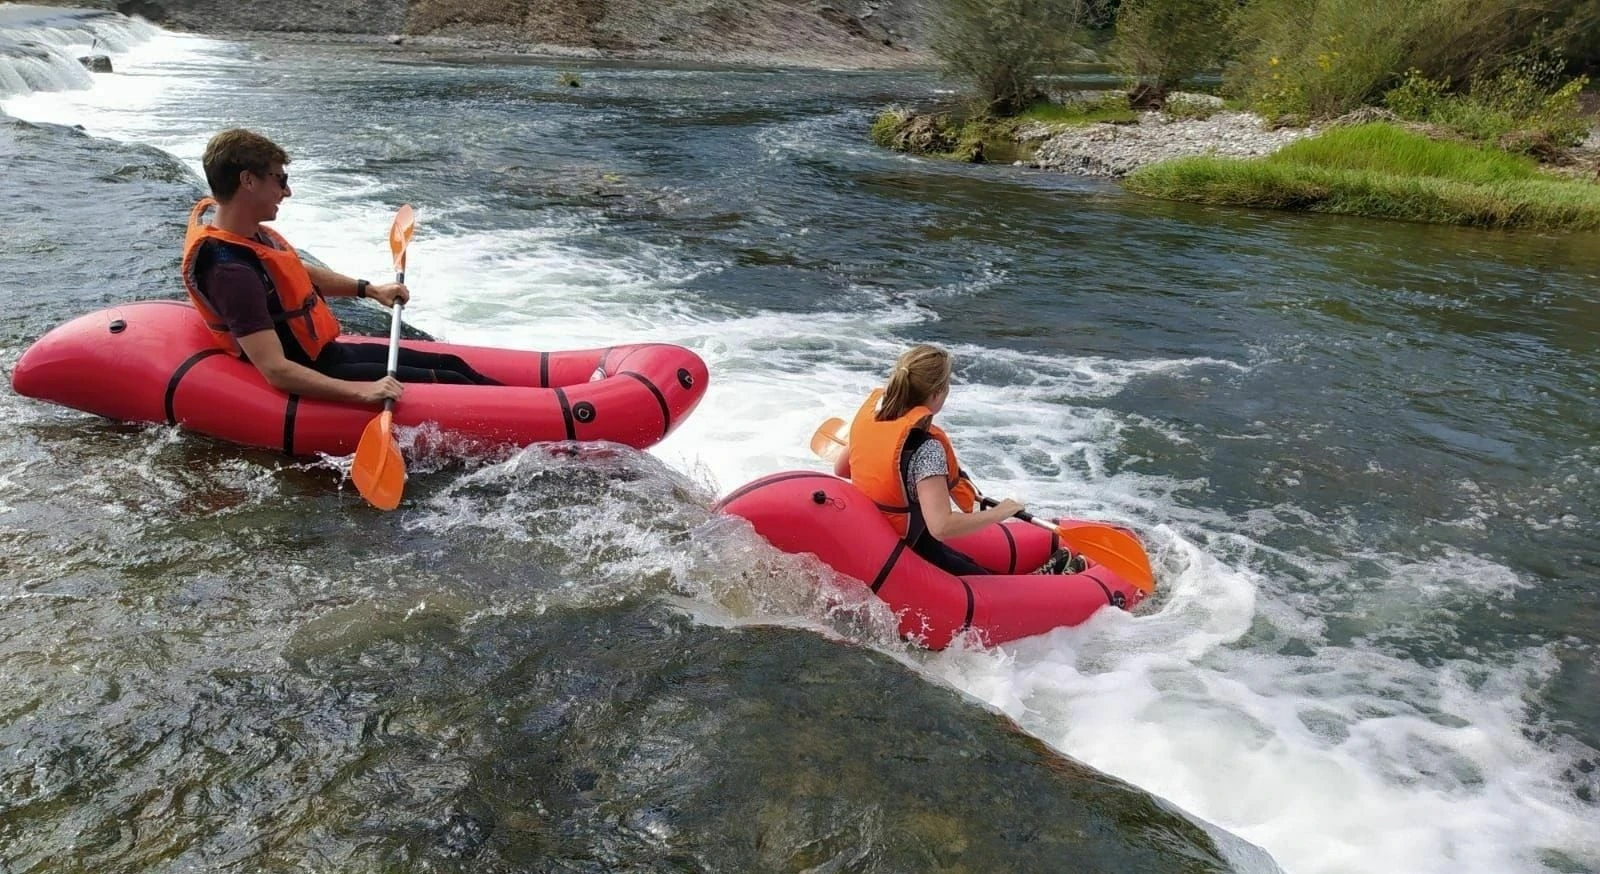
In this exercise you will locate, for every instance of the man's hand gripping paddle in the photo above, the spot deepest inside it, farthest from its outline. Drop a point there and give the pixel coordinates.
(379, 470)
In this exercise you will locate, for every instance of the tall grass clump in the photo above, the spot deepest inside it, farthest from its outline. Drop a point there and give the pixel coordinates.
(1385, 148)
(1383, 171)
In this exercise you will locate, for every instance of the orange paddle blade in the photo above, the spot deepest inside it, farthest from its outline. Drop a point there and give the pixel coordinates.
(405, 223)
(1113, 547)
(379, 471)
(830, 439)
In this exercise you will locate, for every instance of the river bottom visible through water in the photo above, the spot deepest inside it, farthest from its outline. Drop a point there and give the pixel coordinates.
(1363, 455)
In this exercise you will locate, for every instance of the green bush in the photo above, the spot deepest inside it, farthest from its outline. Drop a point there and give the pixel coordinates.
(1307, 59)
(1321, 58)
(1159, 43)
(1524, 107)
(1003, 46)
(1417, 97)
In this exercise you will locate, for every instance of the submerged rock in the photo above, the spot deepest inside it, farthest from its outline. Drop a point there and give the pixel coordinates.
(96, 63)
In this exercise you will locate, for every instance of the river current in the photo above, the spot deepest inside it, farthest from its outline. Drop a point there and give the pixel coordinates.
(1364, 455)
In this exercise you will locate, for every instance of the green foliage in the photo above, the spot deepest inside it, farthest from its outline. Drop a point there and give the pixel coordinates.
(1525, 106)
(1455, 40)
(1417, 97)
(1320, 58)
(1163, 42)
(1305, 59)
(1383, 171)
(918, 133)
(887, 125)
(1003, 46)
(1111, 107)
(1100, 14)
(1180, 107)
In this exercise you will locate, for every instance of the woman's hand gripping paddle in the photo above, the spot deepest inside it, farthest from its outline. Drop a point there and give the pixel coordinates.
(1104, 544)
(379, 470)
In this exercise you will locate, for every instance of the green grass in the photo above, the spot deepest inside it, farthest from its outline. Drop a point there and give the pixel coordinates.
(1112, 111)
(1385, 148)
(1383, 171)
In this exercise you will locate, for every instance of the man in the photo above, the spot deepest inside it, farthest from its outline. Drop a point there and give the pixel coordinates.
(262, 303)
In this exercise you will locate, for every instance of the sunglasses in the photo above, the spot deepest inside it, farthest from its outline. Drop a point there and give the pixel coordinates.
(283, 179)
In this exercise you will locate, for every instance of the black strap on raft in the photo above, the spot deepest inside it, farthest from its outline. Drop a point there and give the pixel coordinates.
(566, 414)
(661, 400)
(1011, 543)
(290, 410)
(177, 377)
(888, 566)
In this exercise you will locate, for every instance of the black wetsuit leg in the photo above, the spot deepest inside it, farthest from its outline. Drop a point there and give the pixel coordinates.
(943, 557)
(370, 361)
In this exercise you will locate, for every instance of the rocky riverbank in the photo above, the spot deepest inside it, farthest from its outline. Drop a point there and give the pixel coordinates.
(1067, 137)
(1115, 150)
(1190, 125)
(853, 34)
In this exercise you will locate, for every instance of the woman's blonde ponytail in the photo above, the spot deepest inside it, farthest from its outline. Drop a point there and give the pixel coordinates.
(921, 372)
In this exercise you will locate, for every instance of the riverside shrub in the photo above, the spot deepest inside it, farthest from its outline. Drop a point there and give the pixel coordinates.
(1159, 43)
(1525, 106)
(1309, 59)
(1304, 59)
(1003, 46)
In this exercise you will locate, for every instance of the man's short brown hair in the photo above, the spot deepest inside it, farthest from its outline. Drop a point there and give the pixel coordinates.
(234, 151)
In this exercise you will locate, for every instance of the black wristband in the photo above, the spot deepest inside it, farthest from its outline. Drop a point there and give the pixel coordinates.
(361, 287)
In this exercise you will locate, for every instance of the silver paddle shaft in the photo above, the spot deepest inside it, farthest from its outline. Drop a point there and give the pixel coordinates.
(394, 338)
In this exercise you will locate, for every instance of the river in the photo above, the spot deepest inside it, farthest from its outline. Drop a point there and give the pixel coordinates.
(1364, 455)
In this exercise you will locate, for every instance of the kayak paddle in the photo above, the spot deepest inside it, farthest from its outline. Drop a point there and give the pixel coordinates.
(379, 470)
(1104, 544)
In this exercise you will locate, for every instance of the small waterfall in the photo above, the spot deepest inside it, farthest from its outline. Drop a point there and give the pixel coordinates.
(40, 47)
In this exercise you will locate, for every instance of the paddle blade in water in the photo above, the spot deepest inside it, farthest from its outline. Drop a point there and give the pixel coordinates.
(1113, 547)
(830, 439)
(379, 470)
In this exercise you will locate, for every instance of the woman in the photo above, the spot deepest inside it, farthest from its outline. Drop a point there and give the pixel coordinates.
(906, 465)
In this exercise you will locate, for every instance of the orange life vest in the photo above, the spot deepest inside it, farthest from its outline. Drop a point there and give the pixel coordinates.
(876, 467)
(307, 314)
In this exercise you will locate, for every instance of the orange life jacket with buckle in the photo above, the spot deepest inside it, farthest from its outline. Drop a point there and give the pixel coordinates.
(309, 319)
(878, 462)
